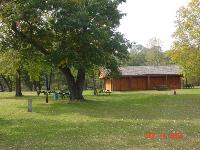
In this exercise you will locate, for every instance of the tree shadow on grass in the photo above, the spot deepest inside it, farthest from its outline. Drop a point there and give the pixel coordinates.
(24, 97)
(48, 133)
(149, 107)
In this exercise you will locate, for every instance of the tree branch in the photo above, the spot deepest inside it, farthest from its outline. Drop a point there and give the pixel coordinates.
(29, 39)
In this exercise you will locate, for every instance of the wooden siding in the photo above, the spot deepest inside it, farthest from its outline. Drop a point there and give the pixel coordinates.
(129, 83)
(141, 82)
(156, 81)
(174, 82)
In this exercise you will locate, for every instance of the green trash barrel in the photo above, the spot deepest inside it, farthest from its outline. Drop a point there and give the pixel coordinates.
(55, 96)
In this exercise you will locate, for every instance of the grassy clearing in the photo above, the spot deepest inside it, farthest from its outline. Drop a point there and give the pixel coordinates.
(119, 121)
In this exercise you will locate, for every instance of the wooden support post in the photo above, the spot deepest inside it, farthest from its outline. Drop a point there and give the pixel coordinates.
(111, 84)
(129, 83)
(166, 80)
(149, 82)
(29, 105)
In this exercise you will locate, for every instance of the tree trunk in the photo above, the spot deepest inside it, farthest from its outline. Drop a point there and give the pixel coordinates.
(94, 84)
(10, 88)
(86, 85)
(47, 82)
(8, 82)
(50, 79)
(39, 85)
(186, 82)
(101, 84)
(198, 81)
(35, 85)
(1, 87)
(29, 84)
(18, 89)
(75, 86)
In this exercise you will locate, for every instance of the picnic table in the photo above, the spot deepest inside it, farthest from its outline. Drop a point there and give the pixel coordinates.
(161, 87)
(102, 92)
(61, 94)
(56, 94)
(189, 86)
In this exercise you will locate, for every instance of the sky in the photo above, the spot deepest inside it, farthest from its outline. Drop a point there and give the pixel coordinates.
(146, 19)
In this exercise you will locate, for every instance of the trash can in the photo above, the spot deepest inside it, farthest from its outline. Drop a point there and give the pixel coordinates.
(55, 96)
(59, 96)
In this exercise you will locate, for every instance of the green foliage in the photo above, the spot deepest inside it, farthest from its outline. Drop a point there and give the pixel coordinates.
(36, 67)
(136, 58)
(9, 62)
(153, 55)
(188, 58)
(186, 48)
(69, 33)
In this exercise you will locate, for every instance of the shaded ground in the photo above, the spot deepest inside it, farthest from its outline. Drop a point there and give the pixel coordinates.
(119, 121)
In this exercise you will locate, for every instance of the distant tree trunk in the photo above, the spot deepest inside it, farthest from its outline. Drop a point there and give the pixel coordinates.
(198, 81)
(1, 87)
(39, 85)
(94, 84)
(18, 88)
(29, 84)
(50, 80)
(75, 86)
(47, 82)
(101, 84)
(10, 89)
(36, 85)
(8, 83)
(86, 85)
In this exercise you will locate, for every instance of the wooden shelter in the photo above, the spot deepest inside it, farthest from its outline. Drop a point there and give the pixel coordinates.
(143, 78)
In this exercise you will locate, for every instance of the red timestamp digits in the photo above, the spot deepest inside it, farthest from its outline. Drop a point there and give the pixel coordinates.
(163, 135)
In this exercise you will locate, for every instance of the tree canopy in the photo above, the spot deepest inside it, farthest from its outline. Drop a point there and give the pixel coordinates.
(186, 48)
(66, 33)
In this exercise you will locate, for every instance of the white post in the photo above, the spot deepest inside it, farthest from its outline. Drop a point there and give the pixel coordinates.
(29, 105)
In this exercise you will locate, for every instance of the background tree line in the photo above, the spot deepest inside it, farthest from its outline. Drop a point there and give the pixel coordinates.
(151, 55)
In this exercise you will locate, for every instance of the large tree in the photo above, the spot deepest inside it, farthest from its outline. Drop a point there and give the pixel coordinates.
(186, 47)
(70, 34)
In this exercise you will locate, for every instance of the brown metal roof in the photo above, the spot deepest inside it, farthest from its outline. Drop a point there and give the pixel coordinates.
(150, 70)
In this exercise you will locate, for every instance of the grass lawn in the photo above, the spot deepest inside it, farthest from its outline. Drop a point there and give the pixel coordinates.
(119, 121)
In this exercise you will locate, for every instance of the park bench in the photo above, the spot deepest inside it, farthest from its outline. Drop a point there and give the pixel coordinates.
(102, 92)
(189, 86)
(161, 87)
